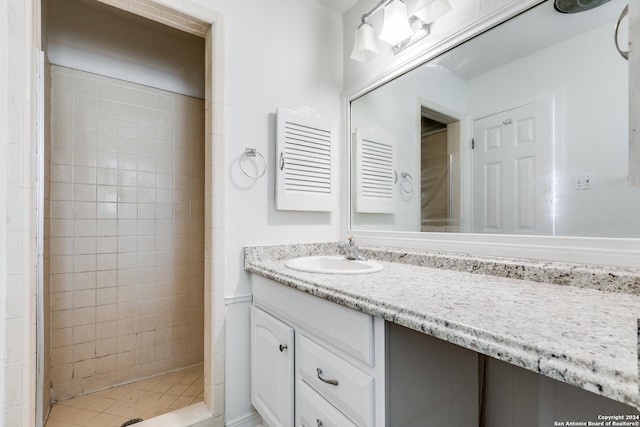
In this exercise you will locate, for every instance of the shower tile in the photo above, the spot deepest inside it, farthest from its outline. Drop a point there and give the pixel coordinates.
(84, 227)
(107, 244)
(105, 347)
(107, 193)
(62, 355)
(84, 193)
(107, 313)
(61, 264)
(84, 263)
(84, 333)
(61, 173)
(84, 316)
(84, 156)
(105, 176)
(106, 296)
(86, 280)
(107, 227)
(106, 329)
(106, 279)
(60, 321)
(127, 227)
(85, 86)
(84, 210)
(84, 245)
(84, 351)
(106, 262)
(83, 122)
(62, 300)
(114, 209)
(85, 298)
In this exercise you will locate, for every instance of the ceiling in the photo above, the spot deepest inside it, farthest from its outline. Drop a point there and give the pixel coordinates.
(340, 5)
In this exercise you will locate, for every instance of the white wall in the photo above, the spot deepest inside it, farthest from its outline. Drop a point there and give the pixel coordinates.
(280, 53)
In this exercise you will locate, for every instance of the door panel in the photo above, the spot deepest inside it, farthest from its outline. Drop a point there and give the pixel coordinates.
(271, 369)
(513, 170)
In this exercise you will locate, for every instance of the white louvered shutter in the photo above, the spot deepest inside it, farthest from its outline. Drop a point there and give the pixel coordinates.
(306, 170)
(375, 159)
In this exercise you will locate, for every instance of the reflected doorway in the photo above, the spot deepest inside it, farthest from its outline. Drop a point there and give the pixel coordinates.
(439, 172)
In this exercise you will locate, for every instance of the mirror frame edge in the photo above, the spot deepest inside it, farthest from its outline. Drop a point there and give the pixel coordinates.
(616, 252)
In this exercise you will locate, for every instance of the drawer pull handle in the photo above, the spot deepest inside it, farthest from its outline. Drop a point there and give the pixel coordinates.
(324, 380)
(283, 347)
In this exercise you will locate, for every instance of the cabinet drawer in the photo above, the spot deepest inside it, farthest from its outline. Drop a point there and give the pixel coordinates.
(314, 410)
(342, 384)
(348, 330)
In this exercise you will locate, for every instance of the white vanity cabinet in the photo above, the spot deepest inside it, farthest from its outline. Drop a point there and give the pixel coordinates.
(272, 368)
(351, 368)
(338, 353)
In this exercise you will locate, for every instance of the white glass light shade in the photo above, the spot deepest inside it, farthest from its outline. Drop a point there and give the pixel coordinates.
(430, 10)
(365, 46)
(396, 26)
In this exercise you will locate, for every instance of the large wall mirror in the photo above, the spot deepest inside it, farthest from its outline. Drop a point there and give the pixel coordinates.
(521, 130)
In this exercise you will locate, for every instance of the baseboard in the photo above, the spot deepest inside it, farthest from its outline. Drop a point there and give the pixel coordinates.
(250, 420)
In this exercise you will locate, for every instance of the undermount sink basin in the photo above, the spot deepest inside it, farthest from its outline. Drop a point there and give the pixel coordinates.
(333, 265)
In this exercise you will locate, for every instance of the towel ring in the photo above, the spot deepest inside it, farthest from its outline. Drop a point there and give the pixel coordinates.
(624, 53)
(252, 153)
(406, 182)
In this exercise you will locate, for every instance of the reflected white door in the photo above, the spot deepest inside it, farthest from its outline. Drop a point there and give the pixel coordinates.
(512, 170)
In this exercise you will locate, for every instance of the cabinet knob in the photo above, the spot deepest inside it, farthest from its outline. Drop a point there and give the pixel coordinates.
(283, 347)
(324, 380)
(319, 421)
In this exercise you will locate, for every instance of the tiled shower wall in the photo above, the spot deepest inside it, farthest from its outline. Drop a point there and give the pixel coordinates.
(127, 231)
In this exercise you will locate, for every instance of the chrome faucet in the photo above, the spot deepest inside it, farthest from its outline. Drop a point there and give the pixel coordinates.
(351, 250)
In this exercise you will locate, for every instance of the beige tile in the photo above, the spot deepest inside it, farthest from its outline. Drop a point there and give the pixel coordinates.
(115, 201)
(166, 401)
(119, 407)
(101, 404)
(150, 398)
(107, 420)
(133, 396)
(182, 402)
(178, 389)
(80, 402)
(192, 391)
(56, 423)
(163, 387)
(146, 385)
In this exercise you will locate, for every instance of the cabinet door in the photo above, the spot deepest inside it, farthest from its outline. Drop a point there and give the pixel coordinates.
(271, 369)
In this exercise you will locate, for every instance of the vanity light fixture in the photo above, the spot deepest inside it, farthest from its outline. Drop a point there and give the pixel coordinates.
(396, 23)
(399, 30)
(365, 47)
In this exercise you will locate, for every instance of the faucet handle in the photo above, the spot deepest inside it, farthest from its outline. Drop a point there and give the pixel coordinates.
(351, 240)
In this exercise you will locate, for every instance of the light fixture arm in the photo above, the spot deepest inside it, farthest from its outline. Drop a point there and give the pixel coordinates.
(377, 8)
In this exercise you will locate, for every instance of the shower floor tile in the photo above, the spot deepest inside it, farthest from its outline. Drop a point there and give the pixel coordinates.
(142, 399)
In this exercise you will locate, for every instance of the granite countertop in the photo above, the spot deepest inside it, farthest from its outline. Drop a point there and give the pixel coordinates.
(577, 334)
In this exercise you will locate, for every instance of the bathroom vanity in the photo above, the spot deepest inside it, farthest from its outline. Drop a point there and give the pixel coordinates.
(402, 346)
